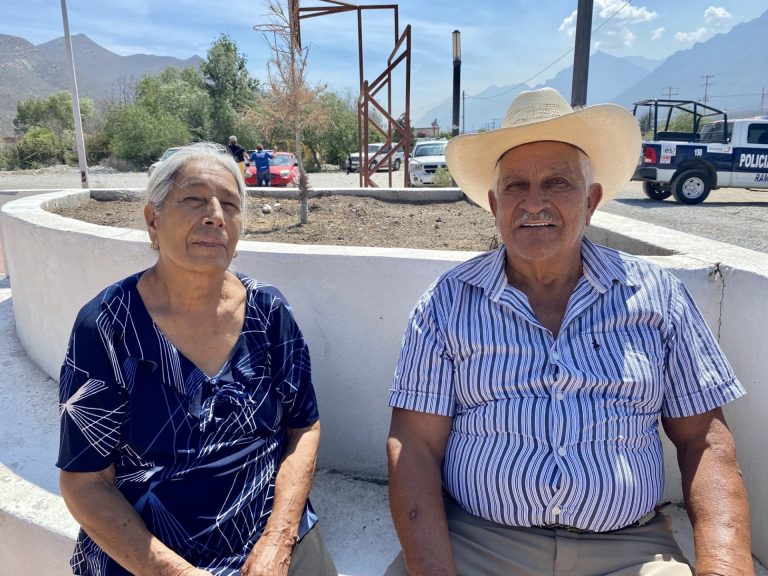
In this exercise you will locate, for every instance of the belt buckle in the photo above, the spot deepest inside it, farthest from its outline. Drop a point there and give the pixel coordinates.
(567, 528)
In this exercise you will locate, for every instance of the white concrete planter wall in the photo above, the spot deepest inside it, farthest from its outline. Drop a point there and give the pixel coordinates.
(352, 305)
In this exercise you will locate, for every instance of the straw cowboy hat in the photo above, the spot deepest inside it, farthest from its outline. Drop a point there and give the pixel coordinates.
(608, 134)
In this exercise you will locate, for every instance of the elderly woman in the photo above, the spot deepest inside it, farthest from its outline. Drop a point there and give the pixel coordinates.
(189, 425)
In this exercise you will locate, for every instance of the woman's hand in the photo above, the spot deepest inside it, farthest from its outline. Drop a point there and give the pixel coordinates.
(270, 557)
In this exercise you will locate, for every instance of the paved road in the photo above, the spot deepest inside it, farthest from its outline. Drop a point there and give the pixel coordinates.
(731, 215)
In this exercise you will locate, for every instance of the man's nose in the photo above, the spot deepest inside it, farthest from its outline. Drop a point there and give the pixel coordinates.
(535, 199)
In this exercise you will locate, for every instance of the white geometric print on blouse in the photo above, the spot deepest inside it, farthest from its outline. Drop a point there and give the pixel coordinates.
(100, 427)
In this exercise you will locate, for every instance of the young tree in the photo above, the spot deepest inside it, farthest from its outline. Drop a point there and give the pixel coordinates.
(290, 98)
(229, 84)
(180, 93)
(333, 142)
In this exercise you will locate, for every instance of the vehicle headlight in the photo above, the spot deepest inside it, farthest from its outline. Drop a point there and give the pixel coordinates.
(284, 173)
(414, 165)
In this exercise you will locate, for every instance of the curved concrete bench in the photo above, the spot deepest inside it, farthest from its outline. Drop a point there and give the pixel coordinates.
(345, 297)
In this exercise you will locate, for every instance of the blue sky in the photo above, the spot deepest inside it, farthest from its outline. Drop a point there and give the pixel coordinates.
(503, 41)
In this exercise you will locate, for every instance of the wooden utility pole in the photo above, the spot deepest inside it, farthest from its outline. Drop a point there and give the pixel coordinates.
(669, 92)
(706, 86)
(581, 54)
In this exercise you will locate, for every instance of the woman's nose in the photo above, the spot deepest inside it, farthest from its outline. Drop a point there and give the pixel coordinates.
(214, 213)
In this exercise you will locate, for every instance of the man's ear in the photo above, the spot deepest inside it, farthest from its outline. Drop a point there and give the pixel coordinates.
(594, 196)
(492, 201)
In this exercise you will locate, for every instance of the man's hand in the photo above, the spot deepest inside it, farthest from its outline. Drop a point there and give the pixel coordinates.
(270, 557)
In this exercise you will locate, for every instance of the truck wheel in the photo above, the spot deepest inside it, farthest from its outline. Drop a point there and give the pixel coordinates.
(691, 187)
(656, 191)
(396, 165)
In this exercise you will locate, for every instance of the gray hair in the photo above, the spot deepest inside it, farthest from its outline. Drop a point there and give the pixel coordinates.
(167, 173)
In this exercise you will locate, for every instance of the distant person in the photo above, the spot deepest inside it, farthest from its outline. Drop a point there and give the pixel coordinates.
(189, 423)
(533, 379)
(239, 153)
(261, 159)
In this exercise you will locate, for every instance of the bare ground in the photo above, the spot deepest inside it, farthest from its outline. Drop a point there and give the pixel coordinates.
(337, 220)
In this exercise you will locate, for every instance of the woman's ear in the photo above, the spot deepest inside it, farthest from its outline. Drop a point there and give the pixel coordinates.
(149, 218)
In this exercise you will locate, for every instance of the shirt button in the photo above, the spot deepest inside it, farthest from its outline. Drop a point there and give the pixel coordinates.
(561, 451)
(559, 396)
(556, 510)
(555, 356)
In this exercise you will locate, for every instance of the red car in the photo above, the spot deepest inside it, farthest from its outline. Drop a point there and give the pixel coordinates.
(283, 170)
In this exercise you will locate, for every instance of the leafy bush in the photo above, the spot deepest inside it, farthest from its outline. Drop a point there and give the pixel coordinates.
(141, 137)
(40, 146)
(442, 178)
(9, 157)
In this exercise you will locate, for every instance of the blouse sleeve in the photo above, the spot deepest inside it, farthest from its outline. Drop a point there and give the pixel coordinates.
(291, 368)
(91, 404)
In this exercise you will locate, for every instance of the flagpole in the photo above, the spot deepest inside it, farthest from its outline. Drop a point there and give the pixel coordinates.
(82, 161)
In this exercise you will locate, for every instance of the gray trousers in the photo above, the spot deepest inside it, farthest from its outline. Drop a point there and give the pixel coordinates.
(485, 548)
(311, 558)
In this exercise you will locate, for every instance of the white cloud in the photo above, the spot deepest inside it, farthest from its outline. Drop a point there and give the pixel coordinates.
(656, 34)
(616, 32)
(619, 38)
(695, 36)
(715, 14)
(568, 25)
(607, 8)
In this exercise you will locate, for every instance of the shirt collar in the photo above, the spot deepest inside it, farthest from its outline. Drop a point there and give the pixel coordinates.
(601, 270)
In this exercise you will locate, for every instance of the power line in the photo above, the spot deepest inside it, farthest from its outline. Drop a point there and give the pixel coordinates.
(540, 72)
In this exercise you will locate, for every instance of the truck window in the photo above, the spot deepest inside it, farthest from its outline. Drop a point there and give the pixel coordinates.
(757, 134)
(714, 132)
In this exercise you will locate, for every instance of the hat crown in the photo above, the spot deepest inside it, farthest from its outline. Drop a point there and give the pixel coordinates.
(535, 106)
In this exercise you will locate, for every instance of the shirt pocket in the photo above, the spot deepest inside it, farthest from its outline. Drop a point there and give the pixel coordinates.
(622, 368)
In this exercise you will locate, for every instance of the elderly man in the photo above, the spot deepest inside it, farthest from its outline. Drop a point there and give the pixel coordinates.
(524, 436)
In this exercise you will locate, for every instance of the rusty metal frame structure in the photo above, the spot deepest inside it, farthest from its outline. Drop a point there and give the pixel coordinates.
(369, 90)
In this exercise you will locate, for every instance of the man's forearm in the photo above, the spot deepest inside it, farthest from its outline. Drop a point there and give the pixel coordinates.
(418, 512)
(717, 506)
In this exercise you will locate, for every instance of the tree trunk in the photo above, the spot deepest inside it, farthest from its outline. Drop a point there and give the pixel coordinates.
(303, 181)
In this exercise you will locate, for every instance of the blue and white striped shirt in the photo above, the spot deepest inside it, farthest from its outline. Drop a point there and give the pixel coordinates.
(559, 430)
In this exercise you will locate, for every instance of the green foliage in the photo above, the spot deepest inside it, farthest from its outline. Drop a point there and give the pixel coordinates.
(442, 178)
(53, 113)
(681, 122)
(137, 135)
(334, 141)
(39, 146)
(229, 85)
(178, 93)
(9, 157)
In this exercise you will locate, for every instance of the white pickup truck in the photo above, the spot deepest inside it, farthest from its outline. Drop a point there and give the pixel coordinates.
(716, 153)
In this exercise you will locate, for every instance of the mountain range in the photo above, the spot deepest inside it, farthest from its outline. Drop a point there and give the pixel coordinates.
(37, 71)
(731, 65)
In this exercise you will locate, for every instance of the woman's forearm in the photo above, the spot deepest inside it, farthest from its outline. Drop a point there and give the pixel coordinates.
(112, 523)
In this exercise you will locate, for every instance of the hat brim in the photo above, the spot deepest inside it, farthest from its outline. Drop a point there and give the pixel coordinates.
(607, 133)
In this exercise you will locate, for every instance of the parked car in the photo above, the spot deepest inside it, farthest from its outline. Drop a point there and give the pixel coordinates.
(427, 157)
(376, 151)
(283, 170)
(167, 154)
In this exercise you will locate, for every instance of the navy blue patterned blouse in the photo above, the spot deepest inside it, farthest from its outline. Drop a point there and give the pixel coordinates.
(195, 455)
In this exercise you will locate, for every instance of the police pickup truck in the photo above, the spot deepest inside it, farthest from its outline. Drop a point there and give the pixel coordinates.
(716, 153)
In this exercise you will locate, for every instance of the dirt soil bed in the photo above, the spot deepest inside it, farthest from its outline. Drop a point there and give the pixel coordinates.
(337, 220)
